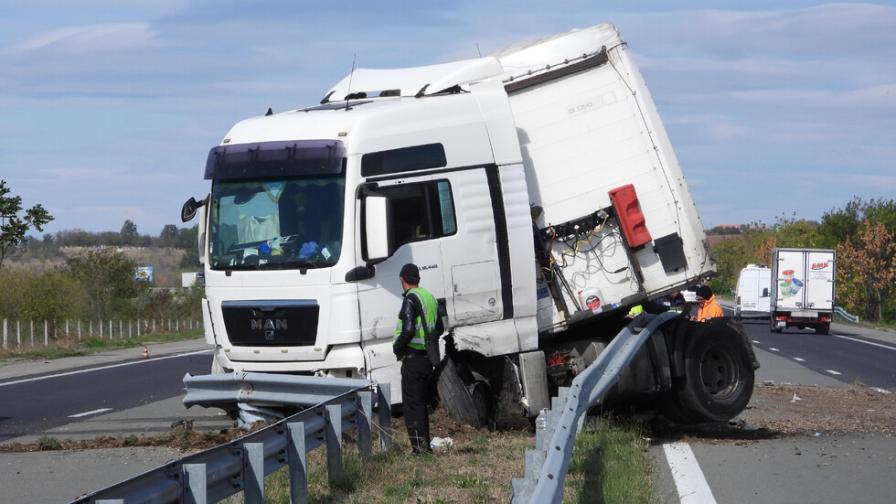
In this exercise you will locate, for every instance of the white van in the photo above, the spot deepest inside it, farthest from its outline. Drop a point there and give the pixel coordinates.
(753, 299)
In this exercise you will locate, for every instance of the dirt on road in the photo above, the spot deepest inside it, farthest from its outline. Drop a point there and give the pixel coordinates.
(798, 409)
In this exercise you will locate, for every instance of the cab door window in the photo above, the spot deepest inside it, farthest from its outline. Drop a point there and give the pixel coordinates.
(420, 211)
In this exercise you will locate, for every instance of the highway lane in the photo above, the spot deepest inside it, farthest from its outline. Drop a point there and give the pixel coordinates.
(30, 406)
(844, 356)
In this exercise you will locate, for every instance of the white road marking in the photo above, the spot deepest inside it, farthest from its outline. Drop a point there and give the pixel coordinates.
(837, 373)
(888, 347)
(91, 412)
(689, 480)
(79, 371)
(799, 359)
(773, 349)
(757, 341)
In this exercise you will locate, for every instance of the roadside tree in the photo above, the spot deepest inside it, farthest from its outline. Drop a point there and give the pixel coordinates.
(108, 278)
(14, 227)
(866, 273)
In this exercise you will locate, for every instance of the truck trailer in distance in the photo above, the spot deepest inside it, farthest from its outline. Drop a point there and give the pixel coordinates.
(803, 288)
(536, 190)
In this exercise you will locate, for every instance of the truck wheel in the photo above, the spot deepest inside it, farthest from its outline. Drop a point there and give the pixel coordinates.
(823, 329)
(718, 375)
(467, 401)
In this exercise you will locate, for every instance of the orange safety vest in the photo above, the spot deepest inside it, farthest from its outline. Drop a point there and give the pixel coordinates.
(709, 310)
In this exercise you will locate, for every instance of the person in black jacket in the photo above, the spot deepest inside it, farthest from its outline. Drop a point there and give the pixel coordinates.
(418, 320)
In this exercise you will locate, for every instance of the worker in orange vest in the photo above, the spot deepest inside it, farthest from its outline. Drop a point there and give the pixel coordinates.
(709, 307)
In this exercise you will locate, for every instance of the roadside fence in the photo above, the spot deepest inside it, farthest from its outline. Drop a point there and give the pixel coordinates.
(556, 428)
(20, 334)
(241, 465)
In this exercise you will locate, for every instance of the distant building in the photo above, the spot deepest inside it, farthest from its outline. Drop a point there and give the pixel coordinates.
(192, 279)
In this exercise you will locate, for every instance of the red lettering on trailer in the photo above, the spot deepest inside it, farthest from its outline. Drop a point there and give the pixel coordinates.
(819, 266)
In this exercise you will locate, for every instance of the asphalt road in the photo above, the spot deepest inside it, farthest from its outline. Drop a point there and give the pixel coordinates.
(844, 356)
(825, 468)
(30, 405)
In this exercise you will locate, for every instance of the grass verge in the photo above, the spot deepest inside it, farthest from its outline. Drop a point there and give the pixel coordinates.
(478, 471)
(73, 348)
(610, 465)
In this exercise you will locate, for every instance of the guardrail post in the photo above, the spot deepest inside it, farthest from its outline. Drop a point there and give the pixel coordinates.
(333, 432)
(195, 486)
(4, 334)
(253, 473)
(46, 333)
(18, 334)
(362, 419)
(298, 465)
(384, 415)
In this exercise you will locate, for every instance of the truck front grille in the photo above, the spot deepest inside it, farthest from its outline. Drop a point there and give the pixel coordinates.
(271, 323)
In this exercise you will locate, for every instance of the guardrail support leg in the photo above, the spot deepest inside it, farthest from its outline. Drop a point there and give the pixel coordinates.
(298, 467)
(253, 473)
(383, 408)
(333, 432)
(195, 487)
(363, 416)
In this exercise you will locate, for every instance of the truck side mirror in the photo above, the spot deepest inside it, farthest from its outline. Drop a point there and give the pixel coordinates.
(765, 292)
(189, 209)
(377, 231)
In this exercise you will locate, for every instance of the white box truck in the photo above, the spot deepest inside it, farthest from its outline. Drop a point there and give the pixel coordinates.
(536, 190)
(753, 294)
(803, 288)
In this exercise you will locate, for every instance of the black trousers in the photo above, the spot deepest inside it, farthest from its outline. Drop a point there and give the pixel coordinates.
(416, 374)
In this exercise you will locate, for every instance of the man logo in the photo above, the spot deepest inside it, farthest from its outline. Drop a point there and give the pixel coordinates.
(269, 326)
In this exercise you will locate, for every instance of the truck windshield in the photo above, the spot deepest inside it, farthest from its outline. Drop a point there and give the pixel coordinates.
(285, 223)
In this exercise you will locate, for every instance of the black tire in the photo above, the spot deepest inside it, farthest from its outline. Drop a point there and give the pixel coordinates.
(465, 403)
(719, 375)
(823, 329)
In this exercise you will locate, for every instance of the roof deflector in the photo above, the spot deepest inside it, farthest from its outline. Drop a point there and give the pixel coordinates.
(408, 81)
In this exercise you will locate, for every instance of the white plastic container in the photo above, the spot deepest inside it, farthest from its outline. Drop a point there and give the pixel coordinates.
(591, 299)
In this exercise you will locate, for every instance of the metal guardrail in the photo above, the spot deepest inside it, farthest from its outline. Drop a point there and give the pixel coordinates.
(556, 428)
(242, 464)
(845, 315)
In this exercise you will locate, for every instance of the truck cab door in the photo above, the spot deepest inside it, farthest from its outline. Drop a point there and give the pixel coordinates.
(421, 216)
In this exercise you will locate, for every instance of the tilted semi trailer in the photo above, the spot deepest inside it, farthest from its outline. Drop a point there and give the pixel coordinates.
(536, 190)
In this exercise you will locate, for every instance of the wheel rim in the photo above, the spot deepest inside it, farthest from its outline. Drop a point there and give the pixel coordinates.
(718, 372)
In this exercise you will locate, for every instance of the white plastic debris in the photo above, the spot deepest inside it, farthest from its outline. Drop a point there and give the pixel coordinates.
(881, 390)
(796, 398)
(441, 445)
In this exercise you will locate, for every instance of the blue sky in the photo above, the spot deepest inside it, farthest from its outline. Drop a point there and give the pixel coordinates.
(108, 108)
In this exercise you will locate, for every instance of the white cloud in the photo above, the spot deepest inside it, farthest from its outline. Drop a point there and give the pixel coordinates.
(873, 96)
(111, 37)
